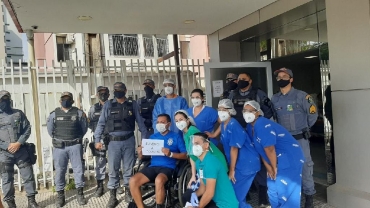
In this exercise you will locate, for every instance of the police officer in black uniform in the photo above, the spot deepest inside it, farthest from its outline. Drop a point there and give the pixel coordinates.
(100, 155)
(15, 129)
(146, 105)
(232, 84)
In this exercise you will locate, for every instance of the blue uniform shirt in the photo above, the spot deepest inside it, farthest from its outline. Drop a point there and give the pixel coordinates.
(295, 110)
(268, 133)
(248, 160)
(169, 106)
(205, 120)
(105, 113)
(172, 141)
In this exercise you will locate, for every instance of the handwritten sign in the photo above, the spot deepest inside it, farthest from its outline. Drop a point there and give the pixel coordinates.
(218, 88)
(152, 146)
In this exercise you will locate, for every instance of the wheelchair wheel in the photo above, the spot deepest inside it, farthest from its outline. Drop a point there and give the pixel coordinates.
(183, 183)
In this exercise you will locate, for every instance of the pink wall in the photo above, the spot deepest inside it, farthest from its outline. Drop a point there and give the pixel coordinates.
(44, 48)
(199, 47)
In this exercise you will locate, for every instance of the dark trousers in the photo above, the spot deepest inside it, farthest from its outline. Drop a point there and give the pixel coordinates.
(187, 196)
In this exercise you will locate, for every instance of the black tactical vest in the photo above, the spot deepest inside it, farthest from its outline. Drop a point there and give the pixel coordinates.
(146, 109)
(10, 126)
(67, 125)
(95, 117)
(122, 117)
(239, 100)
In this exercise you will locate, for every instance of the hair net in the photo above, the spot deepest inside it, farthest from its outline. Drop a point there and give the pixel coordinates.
(255, 105)
(228, 104)
(191, 119)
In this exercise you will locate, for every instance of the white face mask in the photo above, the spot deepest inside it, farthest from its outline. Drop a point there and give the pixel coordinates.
(196, 102)
(197, 150)
(168, 90)
(161, 127)
(223, 115)
(249, 117)
(181, 125)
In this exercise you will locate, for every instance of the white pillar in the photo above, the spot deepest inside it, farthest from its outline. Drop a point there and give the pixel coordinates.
(349, 46)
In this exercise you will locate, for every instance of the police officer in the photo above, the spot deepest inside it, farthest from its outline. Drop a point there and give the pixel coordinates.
(15, 129)
(67, 125)
(100, 156)
(118, 120)
(146, 105)
(296, 111)
(232, 84)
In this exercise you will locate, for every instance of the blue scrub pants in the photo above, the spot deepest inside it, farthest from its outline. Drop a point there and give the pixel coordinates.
(117, 151)
(241, 187)
(100, 167)
(308, 184)
(285, 191)
(61, 156)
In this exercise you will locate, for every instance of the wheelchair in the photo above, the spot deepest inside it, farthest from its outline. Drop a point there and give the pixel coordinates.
(175, 186)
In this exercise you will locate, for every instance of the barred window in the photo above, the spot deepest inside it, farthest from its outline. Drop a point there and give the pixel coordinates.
(162, 46)
(64, 50)
(148, 46)
(123, 45)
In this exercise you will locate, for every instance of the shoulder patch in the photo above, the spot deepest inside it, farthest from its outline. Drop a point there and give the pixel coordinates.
(309, 99)
(312, 109)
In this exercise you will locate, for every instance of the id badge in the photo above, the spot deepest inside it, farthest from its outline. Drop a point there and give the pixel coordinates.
(201, 174)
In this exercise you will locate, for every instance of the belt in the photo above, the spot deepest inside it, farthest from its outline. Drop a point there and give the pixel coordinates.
(298, 136)
(69, 143)
(122, 138)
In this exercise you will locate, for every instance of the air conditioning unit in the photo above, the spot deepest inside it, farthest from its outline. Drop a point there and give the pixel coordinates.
(70, 38)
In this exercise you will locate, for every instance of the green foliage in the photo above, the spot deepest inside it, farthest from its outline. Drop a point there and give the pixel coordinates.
(70, 186)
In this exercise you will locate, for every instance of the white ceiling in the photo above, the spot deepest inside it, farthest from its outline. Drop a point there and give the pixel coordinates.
(133, 16)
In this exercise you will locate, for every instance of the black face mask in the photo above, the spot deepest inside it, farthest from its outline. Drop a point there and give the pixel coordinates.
(67, 103)
(148, 91)
(119, 94)
(103, 96)
(243, 84)
(5, 105)
(283, 83)
(231, 85)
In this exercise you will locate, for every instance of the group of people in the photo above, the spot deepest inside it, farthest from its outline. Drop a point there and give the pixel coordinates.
(251, 147)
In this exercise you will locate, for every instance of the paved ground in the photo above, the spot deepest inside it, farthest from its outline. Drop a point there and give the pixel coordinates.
(47, 198)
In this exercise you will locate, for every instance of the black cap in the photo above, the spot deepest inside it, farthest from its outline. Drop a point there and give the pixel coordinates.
(4, 93)
(119, 86)
(102, 88)
(67, 94)
(149, 82)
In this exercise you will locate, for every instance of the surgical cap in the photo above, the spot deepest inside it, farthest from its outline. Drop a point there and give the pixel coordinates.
(191, 119)
(255, 105)
(228, 104)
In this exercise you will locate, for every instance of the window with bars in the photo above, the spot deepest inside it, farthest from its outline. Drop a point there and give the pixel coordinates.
(123, 45)
(64, 51)
(162, 46)
(148, 46)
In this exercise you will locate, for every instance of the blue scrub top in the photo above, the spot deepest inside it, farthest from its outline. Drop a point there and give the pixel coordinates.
(268, 133)
(172, 141)
(205, 120)
(234, 136)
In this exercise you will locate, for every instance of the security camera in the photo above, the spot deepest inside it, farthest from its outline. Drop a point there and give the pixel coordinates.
(34, 27)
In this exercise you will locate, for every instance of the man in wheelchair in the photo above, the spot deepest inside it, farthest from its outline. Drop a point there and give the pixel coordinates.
(161, 168)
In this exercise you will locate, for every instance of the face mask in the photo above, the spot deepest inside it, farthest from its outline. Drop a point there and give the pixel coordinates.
(67, 103)
(5, 105)
(197, 150)
(242, 84)
(181, 125)
(148, 91)
(119, 94)
(223, 115)
(160, 127)
(231, 85)
(283, 83)
(196, 102)
(249, 117)
(103, 97)
(168, 90)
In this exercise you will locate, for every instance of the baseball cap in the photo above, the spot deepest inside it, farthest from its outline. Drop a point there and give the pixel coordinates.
(231, 76)
(67, 94)
(169, 81)
(4, 93)
(149, 82)
(119, 86)
(102, 88)
(288, 71)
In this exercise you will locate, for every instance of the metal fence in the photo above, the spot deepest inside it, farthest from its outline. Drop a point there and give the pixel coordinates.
(82, 82)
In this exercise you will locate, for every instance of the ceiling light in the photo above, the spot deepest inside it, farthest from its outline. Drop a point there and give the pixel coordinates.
(308, 28)
(309, 57)
(189, 21)
(84, 18)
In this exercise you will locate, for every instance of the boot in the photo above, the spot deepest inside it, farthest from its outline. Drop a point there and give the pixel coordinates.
(32, 202)
(99, 189)
(61, 199)
(160, 206)
(128, 197)
(11, 203)
(309, 201)
(113, 202)
(262, 196)
(120, 190)
(80, 197)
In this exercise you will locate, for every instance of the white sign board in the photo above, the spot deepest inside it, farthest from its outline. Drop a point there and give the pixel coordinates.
(152, 146)
(218, 88)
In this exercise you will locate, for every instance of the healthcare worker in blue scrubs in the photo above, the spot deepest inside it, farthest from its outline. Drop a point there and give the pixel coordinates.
(204, 116)
(244, 161)
(281, 154)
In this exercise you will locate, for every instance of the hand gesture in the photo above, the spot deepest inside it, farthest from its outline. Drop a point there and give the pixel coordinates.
(166, 151)
(14, 147)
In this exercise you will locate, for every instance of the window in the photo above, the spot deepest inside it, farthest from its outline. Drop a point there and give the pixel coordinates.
(64, 51)
(148, 46)
(162, 46)
(123, 45)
